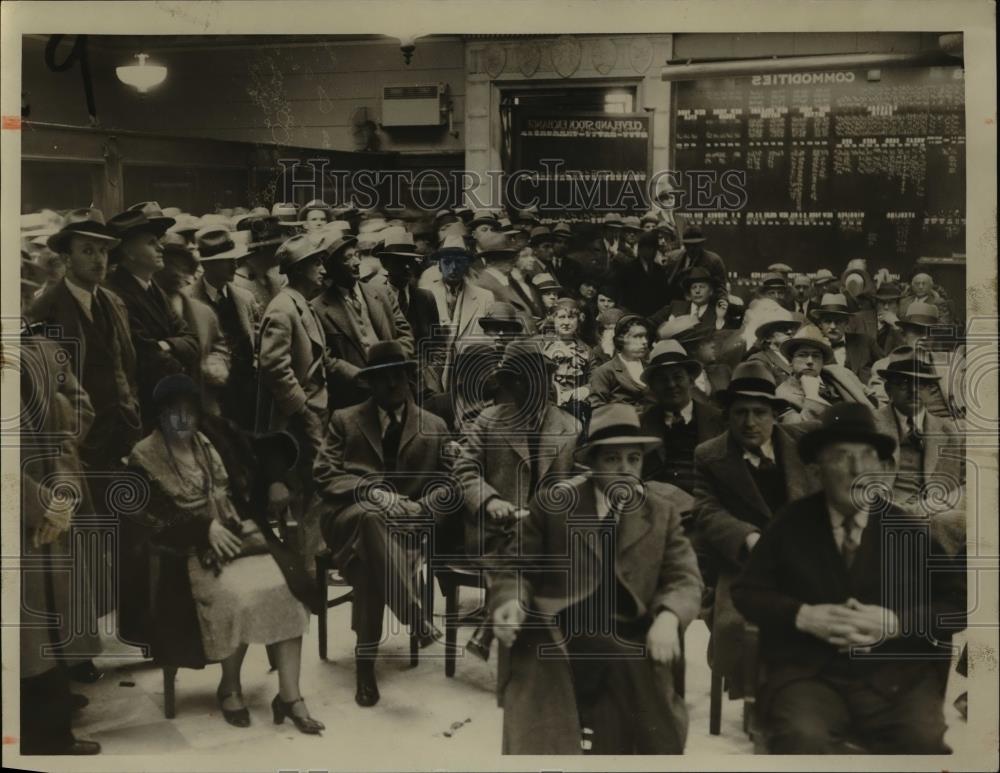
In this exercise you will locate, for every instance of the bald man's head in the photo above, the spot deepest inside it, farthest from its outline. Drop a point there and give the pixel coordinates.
(922, 284)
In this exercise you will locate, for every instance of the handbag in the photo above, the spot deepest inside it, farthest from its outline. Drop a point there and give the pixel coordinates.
(253, 542)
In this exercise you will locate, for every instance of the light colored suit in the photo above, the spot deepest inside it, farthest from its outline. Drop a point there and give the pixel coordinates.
(201, 318)
(462, 326)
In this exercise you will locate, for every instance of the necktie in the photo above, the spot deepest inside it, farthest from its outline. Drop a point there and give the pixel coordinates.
(763, 463)
(404, 303)
(390, 443)
(850, 545)
(912, 434)
(100, 315)
(673, 419)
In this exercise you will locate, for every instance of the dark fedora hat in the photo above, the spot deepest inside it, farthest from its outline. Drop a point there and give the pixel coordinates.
(830, 304)
(216, 242)
(888, 291)
(87, 222)
(524, 356)
(281, 444)
(669, 353)
(264, 231)
(336, 248)
(774, 279)
(484, 217)
(751, 379)
(845, 422)
(693, 235)
(386, 354)
(496, 247)
(907, 363)
(540, 234)
(133, 221)
(697, 274)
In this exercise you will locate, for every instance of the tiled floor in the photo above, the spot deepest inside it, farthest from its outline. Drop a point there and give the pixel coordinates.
(418, 705)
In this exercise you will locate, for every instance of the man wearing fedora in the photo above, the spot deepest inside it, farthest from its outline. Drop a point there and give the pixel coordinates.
(676, 418)
(292, 382)
(703, 344)
(855, 633)
(642, 280)
(817, 380)
(572, 662)
(357, 315)
(921, 290)
(888, 335)
(498, 259)
(743, 477)
(239, 317)
(692, 254)
(702, 301)
(163, 342)
(561, 265)
(378, 474)
(942, 398)
(773, 329)
(930, 449)
(509, 452)
(90, 324)
(460, 303)
(177, 275)
(801, 300)
(608, 247)
(855, 351)
(258, 272)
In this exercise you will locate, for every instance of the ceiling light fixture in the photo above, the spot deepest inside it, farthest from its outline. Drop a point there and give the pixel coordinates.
(142, 76)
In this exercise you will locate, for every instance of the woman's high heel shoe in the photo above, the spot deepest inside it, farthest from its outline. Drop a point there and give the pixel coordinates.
(235, 717)
(282, 710)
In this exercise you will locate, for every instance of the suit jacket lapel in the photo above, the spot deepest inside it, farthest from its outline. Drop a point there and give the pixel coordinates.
(739, 478)
(336, 312)
(67, 313)
(633, 525)
(371, 428)
(796, 475)
(410, 425)
(380, 324)
(551, 437)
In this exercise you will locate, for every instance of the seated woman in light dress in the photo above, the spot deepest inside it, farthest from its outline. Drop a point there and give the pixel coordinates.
(224, 574)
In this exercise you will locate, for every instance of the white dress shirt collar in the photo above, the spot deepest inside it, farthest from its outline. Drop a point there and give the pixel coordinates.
(766, 450)
(383, 417)
(918, 421)
(212, 293)
(837, 524)
(687, 412)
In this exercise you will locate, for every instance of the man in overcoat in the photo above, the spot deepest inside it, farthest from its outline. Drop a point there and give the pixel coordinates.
(381, 468)
(591, 601)
(163, 342)
(743, 477)
(856, 602)
(355, 316)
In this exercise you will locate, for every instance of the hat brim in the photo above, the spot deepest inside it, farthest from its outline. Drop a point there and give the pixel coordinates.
(157, 226)
(769, 328)
(233, 254)
(370, 369)
(397, 253)
(886, 374)
(918, 325)
(59, 242)
(647, 442)
(283, 268)
(504, 254)
(816, 314)
(694, 240)
(483, 221)
(788, 348)
(811, 443)
(691, 366)
(726, 397)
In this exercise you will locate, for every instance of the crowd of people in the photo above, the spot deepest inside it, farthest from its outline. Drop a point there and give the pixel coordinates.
(617, 436)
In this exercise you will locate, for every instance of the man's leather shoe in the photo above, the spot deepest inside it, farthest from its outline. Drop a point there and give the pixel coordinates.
(78, 702)
(367, 692)
(80, 747)
(480, 642)
(85, 672)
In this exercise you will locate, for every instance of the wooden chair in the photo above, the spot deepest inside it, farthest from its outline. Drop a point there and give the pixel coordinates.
(451, 577)
(748, 676)
(324, 565)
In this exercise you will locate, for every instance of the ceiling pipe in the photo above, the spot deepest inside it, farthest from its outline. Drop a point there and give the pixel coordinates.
(691, 70)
